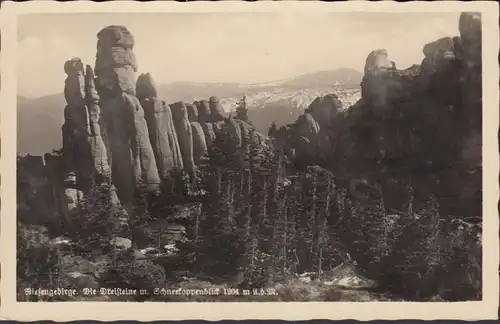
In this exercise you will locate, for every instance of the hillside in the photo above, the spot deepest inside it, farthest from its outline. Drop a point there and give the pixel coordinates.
(42, 118)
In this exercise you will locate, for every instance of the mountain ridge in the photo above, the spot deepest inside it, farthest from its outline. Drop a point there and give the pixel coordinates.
(280, 100)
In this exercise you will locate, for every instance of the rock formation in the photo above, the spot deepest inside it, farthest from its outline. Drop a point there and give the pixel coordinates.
(115, 63)
(75, 130)
(426, 118)
(118, 128)
(98, 149)
(192, 112)
(216, 112)
(200, 148)
(203, 107)
(161, 128)
(132, 157)
(184, 134)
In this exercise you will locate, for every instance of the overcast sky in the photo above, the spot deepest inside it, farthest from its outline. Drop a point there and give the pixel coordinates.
(225, 47)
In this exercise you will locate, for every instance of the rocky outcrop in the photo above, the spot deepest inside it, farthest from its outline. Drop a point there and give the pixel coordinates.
(192, 112)
(160, 126)
(424, 120)
(132, 157)
(145, 169)
(119, 133)
(200, 148)
(326, 110)
(208, 131)
(203, 107)
(216, 112)
(98, 149)
(184, 135)
(115, 63)
(75, 130)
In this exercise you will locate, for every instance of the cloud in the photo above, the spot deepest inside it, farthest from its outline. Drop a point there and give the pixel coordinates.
(41, 63)
(226, 47)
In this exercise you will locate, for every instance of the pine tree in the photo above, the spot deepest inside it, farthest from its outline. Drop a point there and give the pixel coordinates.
(242, 110)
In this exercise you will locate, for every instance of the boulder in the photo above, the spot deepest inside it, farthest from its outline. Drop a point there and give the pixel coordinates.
(146, 87)
(377, 61)
(115, 35)
(71, 200)
(121, 243)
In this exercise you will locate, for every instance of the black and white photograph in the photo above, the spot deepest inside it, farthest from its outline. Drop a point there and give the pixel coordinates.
(266, 156)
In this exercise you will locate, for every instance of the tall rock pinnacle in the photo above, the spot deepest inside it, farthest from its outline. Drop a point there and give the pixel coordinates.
(132, 157)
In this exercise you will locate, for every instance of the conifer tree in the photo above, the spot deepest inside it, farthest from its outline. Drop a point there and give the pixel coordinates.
(242, 110)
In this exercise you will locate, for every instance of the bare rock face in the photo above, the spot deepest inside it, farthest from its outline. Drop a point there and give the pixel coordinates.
(203, 107)
(184, 134)
(132, 155)
(115, 64)
(74, 90)
(216, 112)
(146, 87)
(325, 110)
(470, 31)
(328, 112)
(424, 120)
(75, 130)
(145, 169)
(160, 126)
(234, 130)
(192, 112)
(307, 126)
(98, 149)
(208, 130)
(116, 35)
(200, 148)
(376, 62)
(173, 138)
(374, 87)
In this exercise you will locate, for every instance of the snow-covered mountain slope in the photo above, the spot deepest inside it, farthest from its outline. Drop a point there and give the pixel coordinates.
(295, 99)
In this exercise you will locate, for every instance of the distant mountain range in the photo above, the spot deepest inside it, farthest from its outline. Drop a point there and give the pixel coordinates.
(40, 119)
